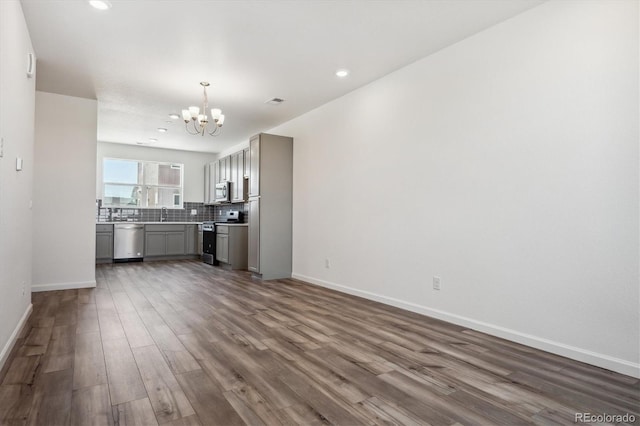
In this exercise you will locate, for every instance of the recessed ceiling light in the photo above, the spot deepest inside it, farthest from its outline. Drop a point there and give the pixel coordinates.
(274, 101)
(153, 140)
(100, 4)
(162, 130)
(174, 116)
(342, 73)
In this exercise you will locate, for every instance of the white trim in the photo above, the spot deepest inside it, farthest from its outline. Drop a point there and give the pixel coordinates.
(6, 351)
(35, 288)
(578, 354)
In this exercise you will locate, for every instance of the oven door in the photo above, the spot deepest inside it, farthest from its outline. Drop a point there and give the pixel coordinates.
(209, 247)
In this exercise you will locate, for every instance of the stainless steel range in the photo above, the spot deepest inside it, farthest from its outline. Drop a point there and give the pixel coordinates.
(209, 235)
(209, 242)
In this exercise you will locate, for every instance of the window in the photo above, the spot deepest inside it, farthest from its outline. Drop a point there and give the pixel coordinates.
(140, 184)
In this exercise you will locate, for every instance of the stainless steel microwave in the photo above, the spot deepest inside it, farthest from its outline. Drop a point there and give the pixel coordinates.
(223, 192)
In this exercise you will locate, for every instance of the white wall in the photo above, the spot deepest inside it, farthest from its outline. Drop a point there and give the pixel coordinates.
(64, 192)
(17, 94)
(506, 164)
(194, 163)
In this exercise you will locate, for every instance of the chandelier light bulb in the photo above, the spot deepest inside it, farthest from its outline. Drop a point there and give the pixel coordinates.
(220, 120)
(194, 111)
(186, 115)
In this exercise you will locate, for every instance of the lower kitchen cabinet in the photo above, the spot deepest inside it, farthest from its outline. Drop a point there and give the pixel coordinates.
(222, 247)
(104, 243)
(161, 241)
(231, 245)
(165, 240)
(253, 250)
(175, 243)
(191, 245)
(155, 244)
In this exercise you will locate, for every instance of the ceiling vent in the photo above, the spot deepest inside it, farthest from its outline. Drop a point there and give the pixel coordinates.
(274, 101)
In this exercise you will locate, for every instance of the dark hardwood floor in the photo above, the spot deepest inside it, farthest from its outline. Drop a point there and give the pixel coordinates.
(183, 343)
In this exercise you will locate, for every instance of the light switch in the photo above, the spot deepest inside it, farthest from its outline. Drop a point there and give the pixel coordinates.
(18, 163)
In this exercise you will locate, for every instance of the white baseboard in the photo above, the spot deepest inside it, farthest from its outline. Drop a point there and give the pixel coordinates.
(62, 286)
(6, 350)
(578, 354)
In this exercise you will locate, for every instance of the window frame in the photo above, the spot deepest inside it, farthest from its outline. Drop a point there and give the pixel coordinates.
(141, 164)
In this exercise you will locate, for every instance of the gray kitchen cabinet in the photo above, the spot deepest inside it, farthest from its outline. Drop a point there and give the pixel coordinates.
(175, 242)
(215, 177)
(154, 244)
(253, 249)
(191, 245)
(207, 184)
(237, 177)
(254, 166)
(247, 162)
(270, 205)
(222, 248)
(231, 245)
(104, 243)
(224, 169)
(165, 240)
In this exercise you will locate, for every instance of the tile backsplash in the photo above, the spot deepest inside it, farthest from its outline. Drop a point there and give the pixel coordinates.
(221, 211)
(203, 213)
(116, 214)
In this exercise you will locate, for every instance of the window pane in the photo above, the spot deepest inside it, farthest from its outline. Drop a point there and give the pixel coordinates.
(120, 171)
(164, 197)
(162, 174)
(169, 174)
(150, 184)
(150, 172)
(121, 195)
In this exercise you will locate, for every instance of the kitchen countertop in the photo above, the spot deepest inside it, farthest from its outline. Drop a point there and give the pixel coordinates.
(231, 224)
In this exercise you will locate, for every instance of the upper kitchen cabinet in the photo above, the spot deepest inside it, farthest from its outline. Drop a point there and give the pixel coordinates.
(254, 166)
(210, 179)
(224, 170)
(247, 163)
(238, 188)
(227, 169)
(270, 205)
(207, 184)
(215, 175)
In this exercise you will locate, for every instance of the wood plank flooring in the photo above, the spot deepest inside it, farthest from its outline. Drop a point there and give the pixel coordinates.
(183, 343)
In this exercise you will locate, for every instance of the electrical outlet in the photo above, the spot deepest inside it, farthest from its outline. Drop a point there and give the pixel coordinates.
(436, 283)
(194, 212)
(327, 263)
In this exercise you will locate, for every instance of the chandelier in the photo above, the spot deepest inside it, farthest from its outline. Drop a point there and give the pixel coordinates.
(199, 121)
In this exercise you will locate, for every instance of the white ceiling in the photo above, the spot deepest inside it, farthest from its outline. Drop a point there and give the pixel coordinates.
(144, 59)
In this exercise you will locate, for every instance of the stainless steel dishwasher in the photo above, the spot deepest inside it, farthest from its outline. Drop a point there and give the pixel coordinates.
(128, 242)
